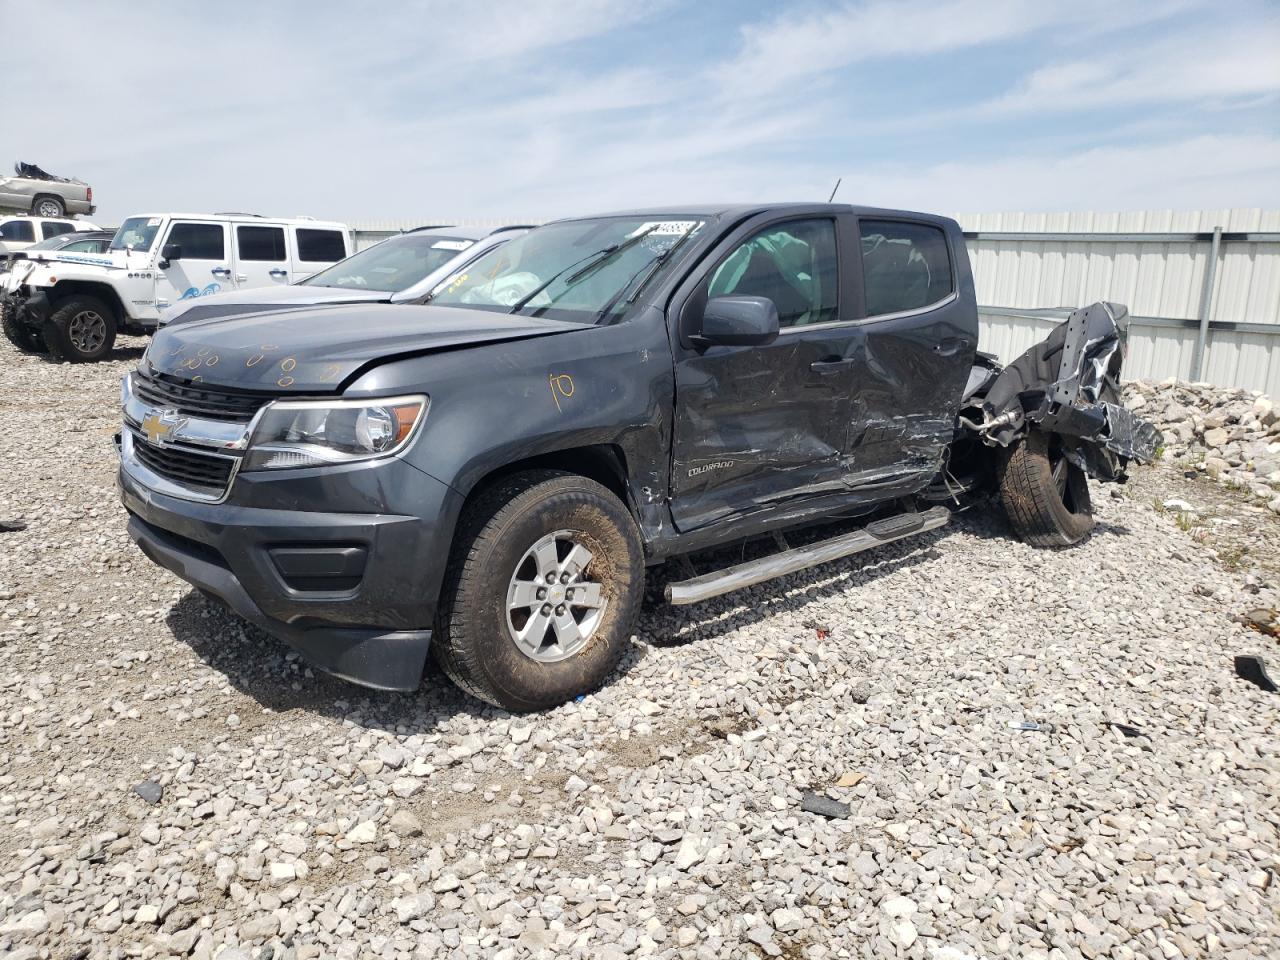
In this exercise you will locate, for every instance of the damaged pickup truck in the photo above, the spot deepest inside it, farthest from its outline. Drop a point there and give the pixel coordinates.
(485, 477)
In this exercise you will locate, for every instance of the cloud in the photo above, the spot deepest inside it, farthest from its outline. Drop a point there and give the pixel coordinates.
(1218, 64)
(428, 110)
(790, 46)
(1201, 172)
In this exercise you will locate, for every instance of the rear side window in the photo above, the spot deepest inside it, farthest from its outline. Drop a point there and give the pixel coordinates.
(320, 246)
(55, 229)
(261, 243)
(200, 241)
(905, 266)
(19, 231)
(86, 246)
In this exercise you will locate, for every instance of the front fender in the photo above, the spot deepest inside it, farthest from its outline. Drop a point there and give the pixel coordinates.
(495, 404)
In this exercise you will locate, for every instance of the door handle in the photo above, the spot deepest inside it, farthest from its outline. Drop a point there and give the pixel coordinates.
(950, 347)
(222, 272)
(278, 272)
(825, 368)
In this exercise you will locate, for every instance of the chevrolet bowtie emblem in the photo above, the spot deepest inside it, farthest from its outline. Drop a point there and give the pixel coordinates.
(161, 425)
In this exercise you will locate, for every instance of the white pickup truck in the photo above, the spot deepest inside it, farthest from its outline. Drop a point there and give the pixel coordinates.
(76, 305)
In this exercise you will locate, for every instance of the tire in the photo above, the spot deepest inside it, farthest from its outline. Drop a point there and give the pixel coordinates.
(19, 334)
(48, 206)
(1045, 496)
(493, 565)
(80, 330)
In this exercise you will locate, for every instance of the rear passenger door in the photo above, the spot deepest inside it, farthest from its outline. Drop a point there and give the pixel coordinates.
(919, 336)
(262, 258)
(316, 248)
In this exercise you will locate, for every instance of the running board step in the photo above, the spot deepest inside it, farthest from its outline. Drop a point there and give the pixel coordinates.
(874, 534)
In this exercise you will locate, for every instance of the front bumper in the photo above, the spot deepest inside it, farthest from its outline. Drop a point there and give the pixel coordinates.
(29, 311)
(344, 565)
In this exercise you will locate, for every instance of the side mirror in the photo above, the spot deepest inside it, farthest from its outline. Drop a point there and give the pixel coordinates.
(737, 322)
(171, 251)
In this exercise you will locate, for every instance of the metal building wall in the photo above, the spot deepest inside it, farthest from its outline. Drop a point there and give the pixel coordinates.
(1152, 279)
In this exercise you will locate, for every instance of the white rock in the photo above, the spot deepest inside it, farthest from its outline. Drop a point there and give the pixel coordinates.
(903, 933)
(898, 907)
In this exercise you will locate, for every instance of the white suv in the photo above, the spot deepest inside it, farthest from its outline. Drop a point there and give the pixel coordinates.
(156, 260)
(18, 233)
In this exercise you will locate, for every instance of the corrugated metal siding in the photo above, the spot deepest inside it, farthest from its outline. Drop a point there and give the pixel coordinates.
(1152, 279)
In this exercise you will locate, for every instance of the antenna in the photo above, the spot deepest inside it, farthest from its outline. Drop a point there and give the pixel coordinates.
(834, 189)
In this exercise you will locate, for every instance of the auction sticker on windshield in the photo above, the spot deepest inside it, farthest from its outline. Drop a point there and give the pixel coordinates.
(670, 227)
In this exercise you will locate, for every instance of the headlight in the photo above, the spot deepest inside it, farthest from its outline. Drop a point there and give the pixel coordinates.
(313, 433)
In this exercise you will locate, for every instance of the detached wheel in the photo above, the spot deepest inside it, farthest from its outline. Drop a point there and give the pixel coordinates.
(48, 207)
(19, 334)
(80, 330)
(1045, 495)
(541, 593)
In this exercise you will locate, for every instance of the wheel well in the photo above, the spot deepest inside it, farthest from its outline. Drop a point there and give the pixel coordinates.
(75, 288)
(604, 463)
(35, 200)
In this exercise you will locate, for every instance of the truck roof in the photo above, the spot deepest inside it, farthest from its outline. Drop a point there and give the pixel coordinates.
(738, 211)
(244, 218)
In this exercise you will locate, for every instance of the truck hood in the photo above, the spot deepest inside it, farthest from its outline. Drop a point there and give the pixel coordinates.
(317, 349)
(267, 299)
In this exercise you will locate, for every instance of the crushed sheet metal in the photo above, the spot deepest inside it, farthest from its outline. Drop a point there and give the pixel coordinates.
(1069, 384)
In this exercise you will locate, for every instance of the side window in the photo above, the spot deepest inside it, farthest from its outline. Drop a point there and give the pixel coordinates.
(260, 243)
(19, 231)
(320, 246)
(48, 230)
(905, 266)
(200, 241)
(793, 264)
(85, 246)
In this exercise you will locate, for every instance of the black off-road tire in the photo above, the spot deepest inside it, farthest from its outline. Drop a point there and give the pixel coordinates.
(1046, 510)
(472, 641)
(19, 334)
(37, 206)
(66, 341)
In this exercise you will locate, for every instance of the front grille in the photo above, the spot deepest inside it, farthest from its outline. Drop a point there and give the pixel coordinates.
(183, 465)
(198, 400)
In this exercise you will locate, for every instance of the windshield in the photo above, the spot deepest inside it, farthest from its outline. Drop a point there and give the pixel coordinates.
(393, 264)
(579, 270)
(136, 232)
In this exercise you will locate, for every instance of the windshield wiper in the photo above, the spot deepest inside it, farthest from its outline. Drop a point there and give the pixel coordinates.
(647, 271)
(597, 259)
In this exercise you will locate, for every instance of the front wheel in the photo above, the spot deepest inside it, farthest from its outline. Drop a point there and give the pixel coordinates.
(542, 591)
(80, 330)
(1045, 495)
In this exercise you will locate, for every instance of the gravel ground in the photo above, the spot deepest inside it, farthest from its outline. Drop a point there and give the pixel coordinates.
(287, 814)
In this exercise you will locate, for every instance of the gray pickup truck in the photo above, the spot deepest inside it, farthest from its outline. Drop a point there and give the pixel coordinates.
(32, 190)
(485, 477)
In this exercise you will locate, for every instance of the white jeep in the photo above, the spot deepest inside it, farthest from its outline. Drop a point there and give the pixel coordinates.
(76, 305)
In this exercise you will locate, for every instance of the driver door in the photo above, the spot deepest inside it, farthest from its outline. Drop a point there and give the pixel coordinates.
(204, 267)
(758, 427)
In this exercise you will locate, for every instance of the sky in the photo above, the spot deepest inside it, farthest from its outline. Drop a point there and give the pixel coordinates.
(421, 110)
